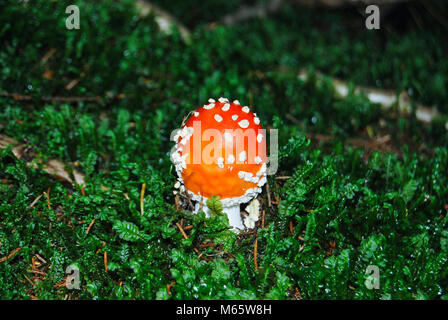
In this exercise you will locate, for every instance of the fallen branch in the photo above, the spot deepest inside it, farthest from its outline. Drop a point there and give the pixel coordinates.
(165, 20)
(344, 3)
(25, 97)
(263, 8)
(385, 98)
(53, 167)
(260, 10)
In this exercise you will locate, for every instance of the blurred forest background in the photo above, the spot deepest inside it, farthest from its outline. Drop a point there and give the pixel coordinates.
(85, 175)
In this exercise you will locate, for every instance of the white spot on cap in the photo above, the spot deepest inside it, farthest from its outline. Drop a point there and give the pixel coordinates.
(223, 100)
(218, 117)
(248, 176)
(258, 160)
(243, 123)
(220, 162)
(177, 185)
(245, 109)
(243, 156)
(262, 170)
(211, 100)
(226, 107)
(228, 136)
(231, 158)
(185, 133)
(209, 106)
(259, 138)
(234, 117)
(257, 120)
(262, 181)
(236, 102)
(196, 113)
(244, 174)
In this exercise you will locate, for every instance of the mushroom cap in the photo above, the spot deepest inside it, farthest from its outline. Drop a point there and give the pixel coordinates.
(221, 150)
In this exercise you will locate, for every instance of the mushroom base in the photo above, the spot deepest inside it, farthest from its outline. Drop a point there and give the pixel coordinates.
(233, 214)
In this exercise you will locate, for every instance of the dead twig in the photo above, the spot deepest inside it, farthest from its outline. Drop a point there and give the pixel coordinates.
(255, 253)
(10, 255)
(48, 55)
(182, 230)
(185, 235)
(47, 195)
(282, 177)
(207, 245)
(169, 286)
(385, 98)
(165, 20)
(41, 259)
(90, 226)
(35, 201)
(105, 261)
(36, 272)
(260, 9)
(345, 3)
(69, 86)
(29, 280)
(25, 97)
(263, 8)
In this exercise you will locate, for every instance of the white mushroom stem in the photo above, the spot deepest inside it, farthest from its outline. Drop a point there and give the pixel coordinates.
(233, 214)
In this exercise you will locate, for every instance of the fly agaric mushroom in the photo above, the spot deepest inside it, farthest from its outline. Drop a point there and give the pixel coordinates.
(221, 151)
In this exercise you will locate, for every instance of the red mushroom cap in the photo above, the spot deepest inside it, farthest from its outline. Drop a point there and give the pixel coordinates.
(221, 150)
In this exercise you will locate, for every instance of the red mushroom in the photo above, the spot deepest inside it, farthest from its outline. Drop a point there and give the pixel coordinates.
(221, 151)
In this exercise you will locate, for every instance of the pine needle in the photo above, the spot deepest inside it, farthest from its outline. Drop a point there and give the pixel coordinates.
(9, 256)
(90, 226)
(255, 254)
(142, 197)
(105, 261)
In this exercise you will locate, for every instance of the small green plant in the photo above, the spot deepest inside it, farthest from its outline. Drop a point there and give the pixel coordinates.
(215, 205)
